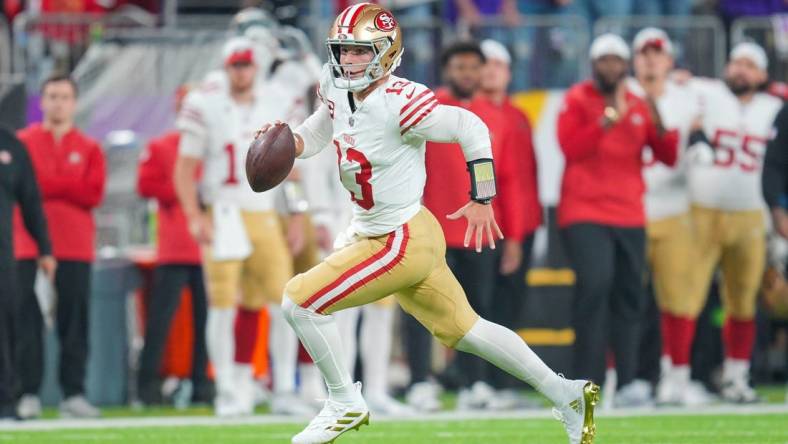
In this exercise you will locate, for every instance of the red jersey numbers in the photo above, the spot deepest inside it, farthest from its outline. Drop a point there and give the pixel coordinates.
(734, 150)
(352, 155)
(232, 177)
(398, 86)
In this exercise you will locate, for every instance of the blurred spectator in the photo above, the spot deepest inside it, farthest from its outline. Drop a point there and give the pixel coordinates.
(727, 203)
(671, 8)
(518, 187)
(775, 174)
(17, 185)
(70, 170)
(593, 10)
(669, 231)
(178, 264)
(603, 130)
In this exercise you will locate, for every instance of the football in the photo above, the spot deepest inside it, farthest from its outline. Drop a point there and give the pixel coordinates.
(270, 158)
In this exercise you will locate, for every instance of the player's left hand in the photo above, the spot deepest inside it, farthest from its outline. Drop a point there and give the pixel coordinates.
(481, 219)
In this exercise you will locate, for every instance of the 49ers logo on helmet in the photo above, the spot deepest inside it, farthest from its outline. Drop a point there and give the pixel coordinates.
(385, 21)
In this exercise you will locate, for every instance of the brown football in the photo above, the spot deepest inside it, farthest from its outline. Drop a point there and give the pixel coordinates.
(270, 158)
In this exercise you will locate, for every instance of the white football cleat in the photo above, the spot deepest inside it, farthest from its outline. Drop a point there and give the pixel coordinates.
(423, 397)
(29, 407)
(635, 394)
(335, 419)
(578, 415)
(738, 391)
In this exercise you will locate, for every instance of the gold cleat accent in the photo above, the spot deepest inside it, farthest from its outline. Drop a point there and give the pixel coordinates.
(364, 421)
(591, 399)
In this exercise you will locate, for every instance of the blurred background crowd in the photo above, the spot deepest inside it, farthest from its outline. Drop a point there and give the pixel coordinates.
(125, 319)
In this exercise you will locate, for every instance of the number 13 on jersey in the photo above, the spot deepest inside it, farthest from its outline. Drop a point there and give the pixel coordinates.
(353, 160)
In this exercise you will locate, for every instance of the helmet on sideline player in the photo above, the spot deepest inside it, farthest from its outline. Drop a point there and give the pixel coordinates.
(252, 17)
(370, 25)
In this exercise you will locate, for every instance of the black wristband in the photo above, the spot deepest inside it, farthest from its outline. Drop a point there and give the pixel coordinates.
(482, 172)
(698, 136)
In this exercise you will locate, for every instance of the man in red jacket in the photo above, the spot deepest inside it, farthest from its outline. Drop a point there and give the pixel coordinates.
(517, 179)
(70, 171)
(178, 264)
(447, 187)
(603, 130)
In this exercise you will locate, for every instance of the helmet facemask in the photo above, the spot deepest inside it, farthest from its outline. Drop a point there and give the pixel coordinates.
(372, 71)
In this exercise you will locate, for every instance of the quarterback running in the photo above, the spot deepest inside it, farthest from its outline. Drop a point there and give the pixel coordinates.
(378, 124)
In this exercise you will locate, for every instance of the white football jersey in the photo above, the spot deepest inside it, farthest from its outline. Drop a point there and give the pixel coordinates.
(667, 192)
(226, 129)
(381, 146)
(738, 133)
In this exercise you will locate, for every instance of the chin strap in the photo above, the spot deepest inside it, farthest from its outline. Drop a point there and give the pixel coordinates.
(482, 174)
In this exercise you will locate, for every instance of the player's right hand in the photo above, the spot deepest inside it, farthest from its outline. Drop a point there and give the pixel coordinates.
(780, 219)
(263, 129)
(201, 228)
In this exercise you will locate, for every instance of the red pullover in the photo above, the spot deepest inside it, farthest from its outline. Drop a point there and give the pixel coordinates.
(448, 187)
(602, 181)
(155, 181)
(71, 175)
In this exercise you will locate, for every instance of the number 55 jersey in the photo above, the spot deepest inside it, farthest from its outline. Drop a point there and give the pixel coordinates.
(738, 132)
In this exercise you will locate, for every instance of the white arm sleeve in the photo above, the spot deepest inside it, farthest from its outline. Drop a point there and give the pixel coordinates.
(192, 144)
(453, 124)
(316, 132)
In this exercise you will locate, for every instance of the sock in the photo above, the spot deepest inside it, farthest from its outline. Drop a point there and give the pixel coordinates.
(246, 323)
(347, 323)
(735, 369)
(320, 336)
(682, 336)
(283, 347)
(681, 376)
(505, 349)
(376, 347)
(220, 343)
(739, 338)
(667, 330)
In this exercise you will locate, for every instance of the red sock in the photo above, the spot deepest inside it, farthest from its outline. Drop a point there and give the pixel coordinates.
(246, 322)
(682, 336)
(738, 337)
(666, 321)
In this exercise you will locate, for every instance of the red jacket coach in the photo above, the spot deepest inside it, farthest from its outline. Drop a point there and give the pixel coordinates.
(70, 171)
(602, 131)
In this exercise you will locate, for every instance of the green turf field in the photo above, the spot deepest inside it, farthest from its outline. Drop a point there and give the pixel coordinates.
(716, 429)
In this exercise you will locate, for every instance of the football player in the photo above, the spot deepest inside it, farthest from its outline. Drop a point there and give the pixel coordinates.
(245, 254)
(670, 253)
(378, 124)
(728, 207)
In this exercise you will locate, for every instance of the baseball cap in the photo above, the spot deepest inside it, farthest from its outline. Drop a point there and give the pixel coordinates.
(652, 38)
(609, 44)
(495, 50)
(752, 51)
(238, 50)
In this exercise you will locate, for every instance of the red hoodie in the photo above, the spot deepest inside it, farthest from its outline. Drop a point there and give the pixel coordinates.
(448, 185)
(157, 165)
(603, 180)
(71, 176)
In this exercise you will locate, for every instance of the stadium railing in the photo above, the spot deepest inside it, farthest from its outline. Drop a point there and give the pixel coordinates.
(772, 34)
(548, 51)
(698, 40)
